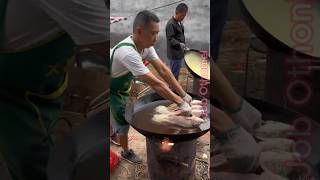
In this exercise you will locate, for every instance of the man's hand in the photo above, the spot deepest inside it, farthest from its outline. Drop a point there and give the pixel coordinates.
(243, 160)
(247, 116)
(183, 46)
(185, 109)
(187, 98)
(168, 77)
(160, 87)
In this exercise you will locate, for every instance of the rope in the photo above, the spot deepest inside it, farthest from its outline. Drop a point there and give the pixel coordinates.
(159, 7)
(166, 5)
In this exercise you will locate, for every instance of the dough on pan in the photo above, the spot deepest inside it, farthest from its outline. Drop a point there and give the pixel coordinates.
(162, 110)
(164, 115)
(160, 117)
(267, 175)
(195, 102)
(276, 144)
(273, 129)
(197, 113)
(279, 162)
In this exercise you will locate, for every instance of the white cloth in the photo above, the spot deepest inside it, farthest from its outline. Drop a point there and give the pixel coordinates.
(29, 22)
(127, 59)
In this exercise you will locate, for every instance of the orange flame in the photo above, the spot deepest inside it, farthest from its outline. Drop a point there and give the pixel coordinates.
(166, 145)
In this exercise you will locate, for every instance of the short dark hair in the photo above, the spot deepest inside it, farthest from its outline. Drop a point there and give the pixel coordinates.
(144, 18)
(182, 7)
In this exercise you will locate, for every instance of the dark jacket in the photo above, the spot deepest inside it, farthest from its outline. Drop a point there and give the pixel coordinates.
(175, 36)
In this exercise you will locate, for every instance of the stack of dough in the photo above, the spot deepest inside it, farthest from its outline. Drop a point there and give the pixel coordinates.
(276, 144)
(279, 163)
(267, 175)
(197, 109)
(276, 150)
(167, 115)
(273, 129)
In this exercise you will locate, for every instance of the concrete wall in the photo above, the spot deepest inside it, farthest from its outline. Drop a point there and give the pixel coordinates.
(197, 26)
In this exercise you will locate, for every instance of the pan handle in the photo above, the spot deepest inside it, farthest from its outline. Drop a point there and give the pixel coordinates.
(190, 50)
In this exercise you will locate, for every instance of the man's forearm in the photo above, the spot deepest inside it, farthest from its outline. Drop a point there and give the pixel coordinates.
(164, 91)
(220, 121)
(171, 80)
(223, 90)
(174, 42)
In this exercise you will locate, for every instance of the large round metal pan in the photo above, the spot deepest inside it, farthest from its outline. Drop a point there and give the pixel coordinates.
(198, 66)
(281, 27)
(139, 116)
(308, 130)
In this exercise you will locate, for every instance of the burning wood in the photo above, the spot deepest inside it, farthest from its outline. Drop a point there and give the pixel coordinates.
(166, 145)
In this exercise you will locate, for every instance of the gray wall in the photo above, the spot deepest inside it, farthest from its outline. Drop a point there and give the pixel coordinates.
(197, 26)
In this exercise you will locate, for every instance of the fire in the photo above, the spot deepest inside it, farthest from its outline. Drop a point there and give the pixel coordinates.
(166, 145)
(204, 156)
